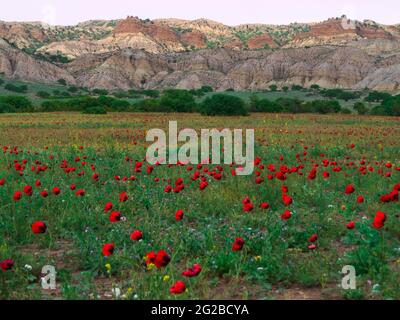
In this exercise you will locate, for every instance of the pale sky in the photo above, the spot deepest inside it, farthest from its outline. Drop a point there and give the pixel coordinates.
(230, 12)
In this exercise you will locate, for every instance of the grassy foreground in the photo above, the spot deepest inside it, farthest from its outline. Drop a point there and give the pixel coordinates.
(84, 162)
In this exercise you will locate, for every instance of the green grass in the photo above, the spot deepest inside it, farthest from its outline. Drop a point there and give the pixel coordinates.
(275, 257)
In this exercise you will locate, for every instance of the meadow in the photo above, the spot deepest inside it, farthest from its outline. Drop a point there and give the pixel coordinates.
(77, 193)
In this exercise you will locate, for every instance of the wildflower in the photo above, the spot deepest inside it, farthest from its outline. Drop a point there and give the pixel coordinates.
(178, 288)
(238, 244)
(39, 227)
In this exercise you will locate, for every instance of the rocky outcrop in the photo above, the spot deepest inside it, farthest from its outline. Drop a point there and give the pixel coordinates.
(262, 41)
(327, 66)
(135, 53)
(15, 64)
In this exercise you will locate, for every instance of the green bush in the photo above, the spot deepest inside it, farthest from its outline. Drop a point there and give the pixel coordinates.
(360, 108)
(263, 105)
(15, 88)
(100, 92)
(323, 106)
(43, 94)
(223, 104)
(376, 96)
(95, 110)
(1, 81)
(17, 103)
(175, 100)
(63, 82)
(341, 94)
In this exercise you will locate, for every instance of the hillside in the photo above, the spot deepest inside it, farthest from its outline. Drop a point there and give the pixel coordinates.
(136, 53)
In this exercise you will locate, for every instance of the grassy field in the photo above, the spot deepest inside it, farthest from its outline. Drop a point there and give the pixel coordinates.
(93, 160)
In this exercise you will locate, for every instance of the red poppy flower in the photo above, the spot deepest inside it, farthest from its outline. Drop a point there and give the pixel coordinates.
(108, 249)
(193, 271)
(178, 288)
(38, 183)
(6, 265)
(360, 199)
(72, 187)
(80, 193)
(28, 190)
(286, 215)
(115, 216)
(56, 191)
(238, 244)
(44, 194)
(136, 235)
(349, 189)
(39, 227)
(287, 200)
(162, 259)
(108, 206)
(312, 247)
(2, 182)
(379, 220)
(179, 215)
(313, 238)
(351, 225)
(17, 196)
(123, 197)
(264, 205)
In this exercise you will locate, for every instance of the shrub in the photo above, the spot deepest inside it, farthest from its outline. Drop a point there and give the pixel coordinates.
(345, 111)
(376, 96)
(273, 87)
(296, 87)
(341, 94)
(1, 81)
(73, 89)
(360, 108)
(15, 88)
(100, 92)
(43, 94)
(263, 105)
(315, 87)
(324, 106)
(18, 103)
(63, 82)
(121, 94)
(175, 100)
(289, 105)
(6, 108)
(151, 93)
(95, 110)
(223, 104)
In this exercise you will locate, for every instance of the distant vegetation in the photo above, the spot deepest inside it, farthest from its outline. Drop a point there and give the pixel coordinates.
(294, 99)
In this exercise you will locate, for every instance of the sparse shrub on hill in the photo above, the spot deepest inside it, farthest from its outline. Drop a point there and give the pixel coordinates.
(1, 81)
(63, 82)
(16, 88)
(223, 104)
(99, 92)
(43, 94)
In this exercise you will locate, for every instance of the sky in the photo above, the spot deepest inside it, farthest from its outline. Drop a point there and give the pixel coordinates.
(230, 12)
